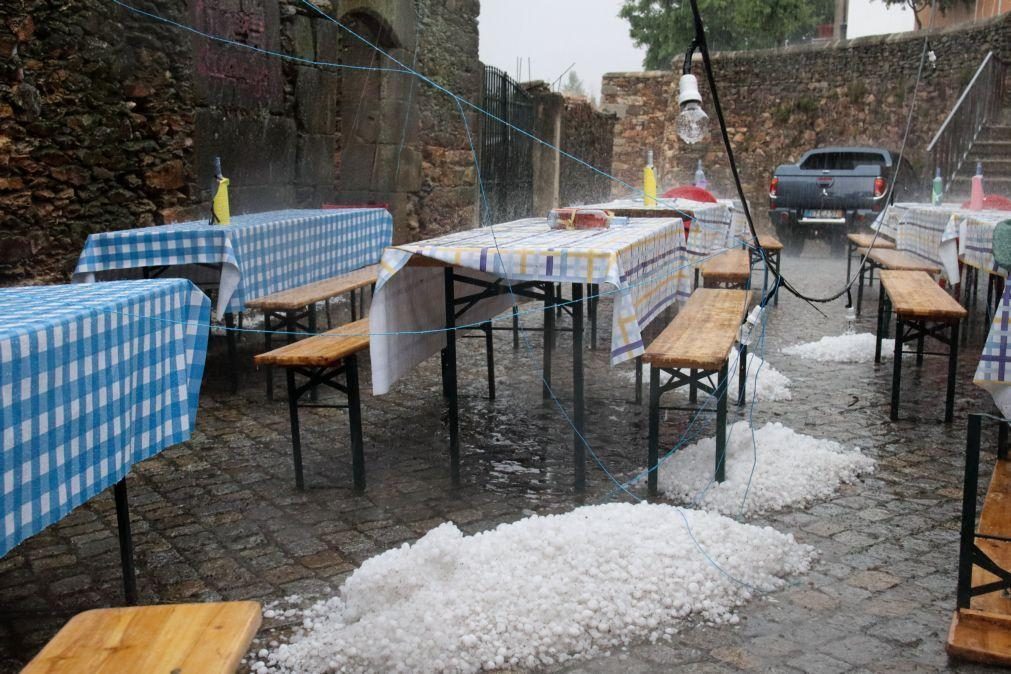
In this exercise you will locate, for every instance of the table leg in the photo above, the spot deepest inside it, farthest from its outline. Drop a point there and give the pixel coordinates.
(880, 333)
(897, 368)
(849, 260)
(721, 423)
(516, 327)
(314, 391)
(549, 336)
(355, 422)
(949, 402)
(860, 290)
(125, 542)
(449, 378)
(233, 356)
(743, 377)
(296, 436)
(653, 453)
(968, 531)
(579, 403)
(268, 370)
(638, 380)
(779, 262)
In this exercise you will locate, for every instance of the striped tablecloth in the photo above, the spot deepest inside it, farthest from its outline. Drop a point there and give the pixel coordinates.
(994, 370)
(93, 378)
(943, 235)
(645, 260)
(259, 254)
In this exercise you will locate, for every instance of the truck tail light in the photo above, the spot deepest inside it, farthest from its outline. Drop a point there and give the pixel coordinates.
(879, 187)
(773, 192)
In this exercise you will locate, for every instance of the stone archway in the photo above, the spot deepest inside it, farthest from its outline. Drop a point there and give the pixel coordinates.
(379, 160)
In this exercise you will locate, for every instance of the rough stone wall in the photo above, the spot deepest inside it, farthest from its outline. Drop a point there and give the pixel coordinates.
(109, 120)
(779, 103)
(447, 196)
(95, 128)
(588, 135)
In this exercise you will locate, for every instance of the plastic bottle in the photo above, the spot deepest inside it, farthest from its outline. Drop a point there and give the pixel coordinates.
(938, 188)
(649, 181)
(976, 196)
(700, 177)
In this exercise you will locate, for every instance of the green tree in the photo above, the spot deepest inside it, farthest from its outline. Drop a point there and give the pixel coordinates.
(918, 5)
(573, 85)
(666, 27)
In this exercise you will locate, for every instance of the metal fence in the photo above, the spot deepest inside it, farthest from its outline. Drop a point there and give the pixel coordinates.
(980, 102)
(506, 154)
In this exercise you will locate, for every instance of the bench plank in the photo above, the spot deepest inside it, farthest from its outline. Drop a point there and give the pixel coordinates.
(297, 298)
(208, 638)
(983, 633)
(913, 294)
(320, 350)
(703, 333)
(732, 266)
(770, 243)
(865, 240)
(901, 260)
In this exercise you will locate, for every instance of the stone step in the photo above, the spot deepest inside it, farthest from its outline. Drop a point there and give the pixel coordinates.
(991, 166)
(998, 132)
(994, 184)
(997, 149)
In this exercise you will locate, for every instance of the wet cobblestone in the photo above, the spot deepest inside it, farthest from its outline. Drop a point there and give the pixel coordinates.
(219, 518)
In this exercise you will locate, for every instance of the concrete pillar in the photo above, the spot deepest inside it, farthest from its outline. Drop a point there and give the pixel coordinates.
(548, 108)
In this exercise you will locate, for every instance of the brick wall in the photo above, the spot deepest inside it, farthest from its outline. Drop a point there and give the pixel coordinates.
(109, 120)
(779, 103)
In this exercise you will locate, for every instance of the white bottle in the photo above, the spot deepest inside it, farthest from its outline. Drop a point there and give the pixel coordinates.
(700, 177)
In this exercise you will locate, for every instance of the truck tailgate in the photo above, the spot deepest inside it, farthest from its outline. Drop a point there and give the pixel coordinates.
(826, 190)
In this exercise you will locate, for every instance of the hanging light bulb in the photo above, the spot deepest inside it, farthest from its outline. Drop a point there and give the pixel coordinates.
(693, 123)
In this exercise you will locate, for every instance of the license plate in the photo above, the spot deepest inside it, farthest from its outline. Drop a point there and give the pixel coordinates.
(823, 214)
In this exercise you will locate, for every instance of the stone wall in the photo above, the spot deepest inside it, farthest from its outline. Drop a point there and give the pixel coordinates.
(111, 120)
(779, 103)
(587, 134)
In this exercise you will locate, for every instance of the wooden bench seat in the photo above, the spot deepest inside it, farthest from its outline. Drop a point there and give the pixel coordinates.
(322, 359)
(864, 240)
(981, 625)
(770, 243)
(294, 310)
(889, 258)
(294, 299)
(694, 347)
(321, 350)
(901, 261)
(922, 309)
(207, 638)
(730, 268)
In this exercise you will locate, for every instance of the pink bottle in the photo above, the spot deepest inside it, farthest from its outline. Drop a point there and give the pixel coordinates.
(976, 196)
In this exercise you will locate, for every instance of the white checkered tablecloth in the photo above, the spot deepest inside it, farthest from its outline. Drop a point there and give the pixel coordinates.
(645, 260)
(259, 254)
(93, 378)
(968, 237)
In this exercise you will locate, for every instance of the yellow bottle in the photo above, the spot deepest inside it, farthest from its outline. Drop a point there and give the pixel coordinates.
(649, 181)
(219, 201)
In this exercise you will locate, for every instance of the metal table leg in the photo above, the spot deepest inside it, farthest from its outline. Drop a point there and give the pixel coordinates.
(125, 542)
(900, 326)
(579, 402)
(949, 402)
(653, 455)
(233, 356)
(549, 336)
(721, 423)
(449, 379)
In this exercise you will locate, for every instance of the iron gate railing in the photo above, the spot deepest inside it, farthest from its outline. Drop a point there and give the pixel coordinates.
(980, 102)
(506, 159)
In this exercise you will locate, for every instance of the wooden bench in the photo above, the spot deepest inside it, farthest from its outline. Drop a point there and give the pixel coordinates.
(859, 243)
(888, 258)
(981, 625)
(183, 638)
(730, 269)
(922, 309)
(773, 248)
(322, 359)
(286, 310)
(694, 347)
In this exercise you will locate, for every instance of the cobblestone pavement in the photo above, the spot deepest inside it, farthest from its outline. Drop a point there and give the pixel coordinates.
(219, 517)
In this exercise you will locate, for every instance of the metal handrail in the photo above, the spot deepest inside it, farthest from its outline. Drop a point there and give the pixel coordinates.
(979, 102)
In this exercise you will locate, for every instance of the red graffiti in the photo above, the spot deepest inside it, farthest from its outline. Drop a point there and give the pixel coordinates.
(249, 75)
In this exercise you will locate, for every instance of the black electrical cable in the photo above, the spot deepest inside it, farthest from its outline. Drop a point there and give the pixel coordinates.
(701, 44)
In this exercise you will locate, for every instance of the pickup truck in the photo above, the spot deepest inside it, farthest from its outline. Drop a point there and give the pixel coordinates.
(834, 191)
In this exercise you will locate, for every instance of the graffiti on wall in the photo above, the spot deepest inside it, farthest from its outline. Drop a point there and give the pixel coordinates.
(230, 75)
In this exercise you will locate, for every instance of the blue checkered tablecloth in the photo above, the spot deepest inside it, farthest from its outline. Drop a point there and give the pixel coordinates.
(259, 254)
(93, 378)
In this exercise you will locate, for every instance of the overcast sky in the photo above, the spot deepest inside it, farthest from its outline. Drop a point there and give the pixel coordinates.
(552, 34)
